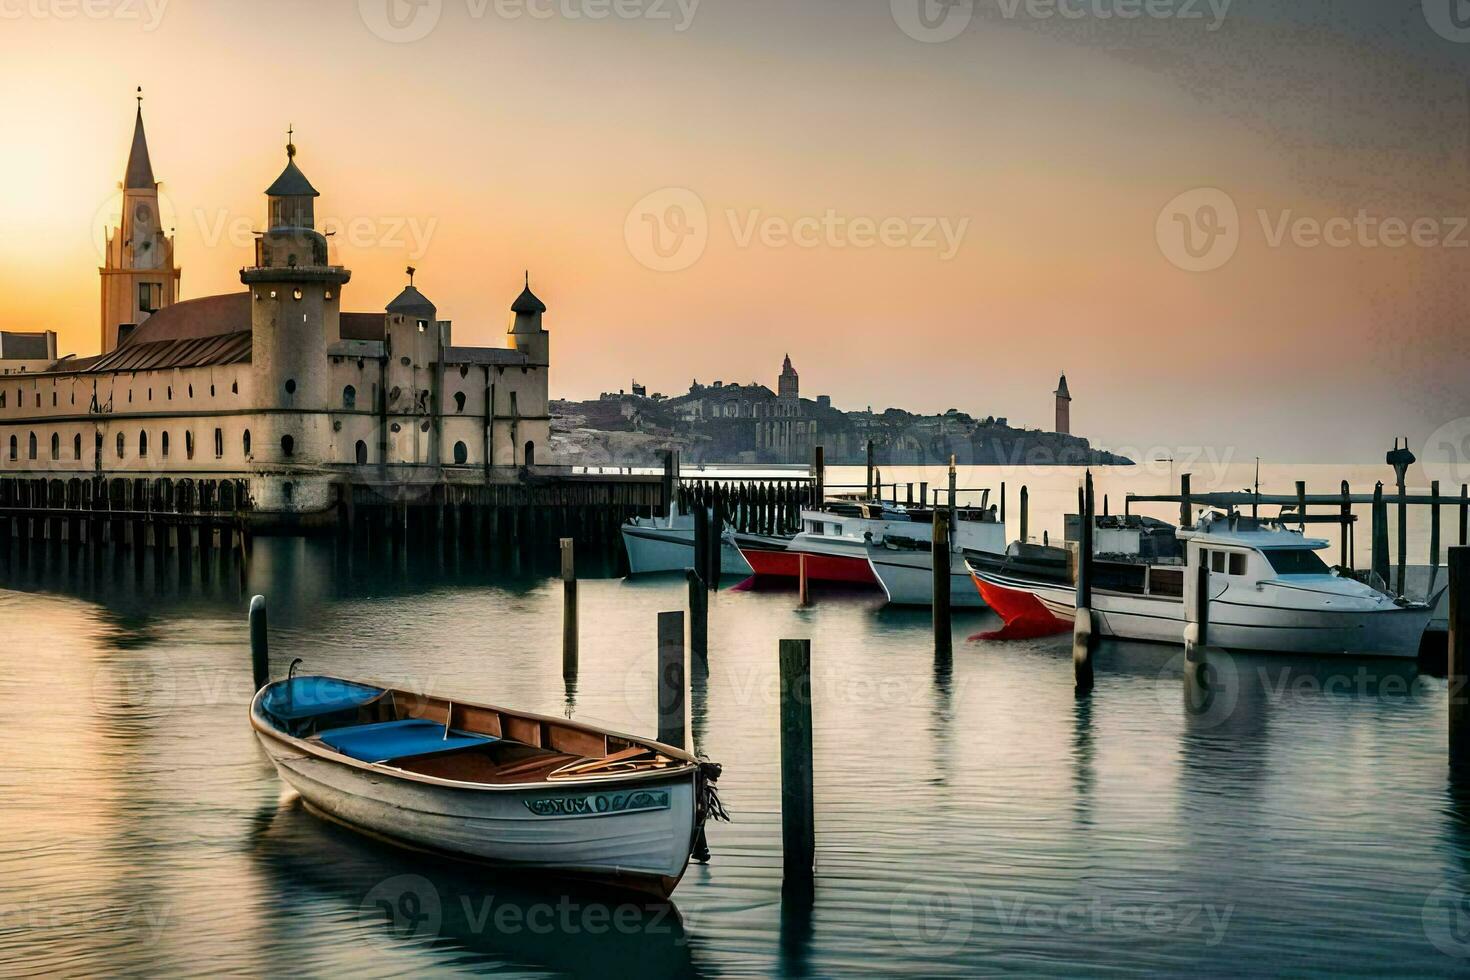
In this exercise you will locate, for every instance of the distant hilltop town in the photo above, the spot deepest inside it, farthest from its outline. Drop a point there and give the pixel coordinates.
(749, 423)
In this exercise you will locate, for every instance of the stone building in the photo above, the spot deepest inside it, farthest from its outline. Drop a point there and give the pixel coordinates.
(772, 425)
(22, 352)
(275, 384)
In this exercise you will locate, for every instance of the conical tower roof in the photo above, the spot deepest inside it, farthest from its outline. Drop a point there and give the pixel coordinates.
(140, 169)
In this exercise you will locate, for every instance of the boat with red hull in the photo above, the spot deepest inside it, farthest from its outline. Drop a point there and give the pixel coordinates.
(771, 562)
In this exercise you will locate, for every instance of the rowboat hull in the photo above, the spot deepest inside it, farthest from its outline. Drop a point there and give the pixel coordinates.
(632, 831)
(1233, 624)
(655, 548)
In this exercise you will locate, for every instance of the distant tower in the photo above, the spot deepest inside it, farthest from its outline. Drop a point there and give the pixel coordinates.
(295, 316)
(1064, 407)
(138, 272)
(790, 384)
(526, 333)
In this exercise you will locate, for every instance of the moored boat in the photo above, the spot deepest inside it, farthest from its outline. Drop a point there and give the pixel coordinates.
(833, 542)
(666, 544)
(903, 561)
(1268, 592)
(510, 789)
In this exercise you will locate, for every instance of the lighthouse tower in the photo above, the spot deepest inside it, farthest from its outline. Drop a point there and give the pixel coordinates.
(1064, 407)
(295, 303)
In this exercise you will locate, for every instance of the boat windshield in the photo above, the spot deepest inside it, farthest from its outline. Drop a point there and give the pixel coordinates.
(1296, 561)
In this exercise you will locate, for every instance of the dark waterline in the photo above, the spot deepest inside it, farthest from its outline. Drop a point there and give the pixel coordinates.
(973, 817)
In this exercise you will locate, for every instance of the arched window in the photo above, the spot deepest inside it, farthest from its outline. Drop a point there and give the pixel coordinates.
(121, 446)
(246, 442)
(55, 445)
(163, 445)
(459, 401)
(361, 453)
(142, 444)
(14, 449)
(76, 447)
(33, 446)
(349, 397)
(461, 453)
(288, 445)
(219, 443)
(530, 454)
(189, 444)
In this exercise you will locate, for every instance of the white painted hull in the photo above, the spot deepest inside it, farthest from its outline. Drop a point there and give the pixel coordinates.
(1242, 625)
(908, 578)
(656, 547)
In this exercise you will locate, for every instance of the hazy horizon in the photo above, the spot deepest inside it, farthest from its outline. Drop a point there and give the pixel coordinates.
(925, 223)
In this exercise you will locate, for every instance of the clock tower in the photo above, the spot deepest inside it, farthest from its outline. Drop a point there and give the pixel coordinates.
(138, 272)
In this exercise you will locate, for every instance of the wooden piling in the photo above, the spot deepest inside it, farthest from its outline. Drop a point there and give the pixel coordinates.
(671, 686)
(1464, 513)
(1002, 501)
(260, 656)
(1186, 509)
(1380, 535)
(569, 630)
(698, 617)
(1433, 537)
(1084, 638)
(1458, 659)
(798, 810)
(1025, 513)
(870, 470)
(939, 561)
(802, 587)
(1347, 513)
(819, 476)
(716, 542)
(1301, 503)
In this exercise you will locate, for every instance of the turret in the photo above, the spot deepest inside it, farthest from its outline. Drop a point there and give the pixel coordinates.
(295, 317)
(1064, 407)
(526, 333)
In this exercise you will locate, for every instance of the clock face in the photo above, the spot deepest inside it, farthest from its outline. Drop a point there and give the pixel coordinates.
(141, 214)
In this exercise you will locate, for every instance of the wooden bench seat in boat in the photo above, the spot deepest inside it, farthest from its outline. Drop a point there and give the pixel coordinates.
(387, 740)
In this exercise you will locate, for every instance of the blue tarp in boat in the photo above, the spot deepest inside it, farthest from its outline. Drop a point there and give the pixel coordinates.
(398, 739)
(307, 697)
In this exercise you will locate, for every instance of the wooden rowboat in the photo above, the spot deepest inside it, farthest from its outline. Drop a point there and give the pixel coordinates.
(510, 789)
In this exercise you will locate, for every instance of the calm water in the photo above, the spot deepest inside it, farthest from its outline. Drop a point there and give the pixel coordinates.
(973, 817)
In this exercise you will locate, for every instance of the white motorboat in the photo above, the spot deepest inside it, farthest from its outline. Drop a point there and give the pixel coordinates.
(1268, 591)
(832, 543)
(903, 562)
(666, 544)
(510, 789)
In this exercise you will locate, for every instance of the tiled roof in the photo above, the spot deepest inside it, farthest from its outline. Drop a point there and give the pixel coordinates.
(230, 348)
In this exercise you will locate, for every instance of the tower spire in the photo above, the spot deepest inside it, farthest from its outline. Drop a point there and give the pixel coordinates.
(139, 175)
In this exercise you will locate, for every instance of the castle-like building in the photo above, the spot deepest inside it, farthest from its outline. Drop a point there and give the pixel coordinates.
(276, 383)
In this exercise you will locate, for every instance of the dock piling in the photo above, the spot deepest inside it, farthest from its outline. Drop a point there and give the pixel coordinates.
(698, 617)
(1186, 515)
(1433, 538)
(260, 655)
(1380, 535)
(672, 703)
(802, 585)
(870, 470)
(1347, 511)
(939, 560)
(1025, 513)
(798, 816)
(569, 631)
(1084, 636)
(1464, 513)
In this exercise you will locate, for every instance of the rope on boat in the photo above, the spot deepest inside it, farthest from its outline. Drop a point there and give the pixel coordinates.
(710, 807)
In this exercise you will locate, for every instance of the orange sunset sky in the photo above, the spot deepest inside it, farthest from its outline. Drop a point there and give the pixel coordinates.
(509, 138)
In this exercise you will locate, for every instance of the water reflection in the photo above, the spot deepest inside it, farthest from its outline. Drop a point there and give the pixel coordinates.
(313, 872)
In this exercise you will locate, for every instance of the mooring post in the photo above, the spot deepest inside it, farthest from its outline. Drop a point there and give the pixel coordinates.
(1401, 460)
(1301, 503)
(939, 562)
(701, 540)
(1002, 501)
(669, 481)
(715, 544)
(260, 653)
(1433, 537)
(924, 493)
(1025, 513)
(1457, 662)
(1464, 513)
(1084, 637)
(569, 634)
(1186, 509)
(1380, 534)
(870, 470)
(1196, 634)
(798, 810)
(819, 476)
(698, 617)
(952, 497)
(671, 687)
(1347, 523)
(802, 587)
